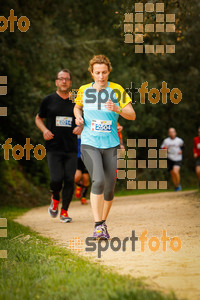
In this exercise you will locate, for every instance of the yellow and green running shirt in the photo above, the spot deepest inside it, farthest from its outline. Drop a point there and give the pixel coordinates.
(100, 124)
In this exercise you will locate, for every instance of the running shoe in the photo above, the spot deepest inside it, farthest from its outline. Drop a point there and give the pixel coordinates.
(64, 218)
(99, 233)
(84, 201)
(78, 191)
(53, 208)
(178, 188)
(105, 230)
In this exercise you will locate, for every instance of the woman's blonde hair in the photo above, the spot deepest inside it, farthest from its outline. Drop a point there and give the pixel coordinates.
(99, 59)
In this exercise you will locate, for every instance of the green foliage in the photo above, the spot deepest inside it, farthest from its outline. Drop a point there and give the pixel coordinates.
(66, 34)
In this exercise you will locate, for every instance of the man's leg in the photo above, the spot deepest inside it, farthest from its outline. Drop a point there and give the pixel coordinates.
(176, 175)
(56, 177)
(198, 173)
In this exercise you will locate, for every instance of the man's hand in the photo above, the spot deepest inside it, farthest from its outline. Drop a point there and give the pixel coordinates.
(112, 106)
(79, 121)
(78, 130)
(48, 135)
(195, 155)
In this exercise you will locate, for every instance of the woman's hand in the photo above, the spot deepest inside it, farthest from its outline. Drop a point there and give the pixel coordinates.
(78, 129)
(112, 106)
(79, 121)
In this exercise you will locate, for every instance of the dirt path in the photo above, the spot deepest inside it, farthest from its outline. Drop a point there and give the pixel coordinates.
(176, 212)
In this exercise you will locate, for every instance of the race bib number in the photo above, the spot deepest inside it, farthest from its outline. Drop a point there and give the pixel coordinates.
(64, 121)
(198, 146)
(101, 126)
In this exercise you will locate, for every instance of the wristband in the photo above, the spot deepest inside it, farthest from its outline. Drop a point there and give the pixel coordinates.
(119, 111)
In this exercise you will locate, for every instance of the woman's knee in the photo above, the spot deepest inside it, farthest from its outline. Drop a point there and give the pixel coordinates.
(97, 186)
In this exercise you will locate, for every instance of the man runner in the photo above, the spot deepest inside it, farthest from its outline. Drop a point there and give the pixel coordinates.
(196, 151)
(61, 143)
(174, 146)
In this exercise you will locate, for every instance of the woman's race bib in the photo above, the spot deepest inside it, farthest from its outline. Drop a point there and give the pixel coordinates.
(101, 125)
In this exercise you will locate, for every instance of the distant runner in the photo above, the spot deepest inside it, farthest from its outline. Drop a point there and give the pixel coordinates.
(196, 151)
(82, 179)
(174, 146)
(61, 143)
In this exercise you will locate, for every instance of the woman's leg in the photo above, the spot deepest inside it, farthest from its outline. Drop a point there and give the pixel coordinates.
(93, 161)
(110, 167)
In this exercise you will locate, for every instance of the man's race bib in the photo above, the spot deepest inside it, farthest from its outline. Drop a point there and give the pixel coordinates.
(64, 121)
(101, 126)
(198, 146)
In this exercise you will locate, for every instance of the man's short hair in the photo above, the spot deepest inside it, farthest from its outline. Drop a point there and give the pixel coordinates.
(66, 71)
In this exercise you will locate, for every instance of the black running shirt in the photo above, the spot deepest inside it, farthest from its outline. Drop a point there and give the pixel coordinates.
(60, 120)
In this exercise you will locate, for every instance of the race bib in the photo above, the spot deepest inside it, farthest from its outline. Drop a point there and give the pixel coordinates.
(101, 126)
(64, 121)
(198, 146)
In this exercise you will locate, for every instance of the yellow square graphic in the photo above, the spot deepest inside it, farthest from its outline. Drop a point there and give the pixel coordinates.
(131, 153)
(170, 28)
(3, 253)
(3, 79)
(160, 28)
(3, 90)
(160, 7)
(128, 27)
(141, 142)
(138, 7)
(139, 49)
(121, 153)
(128, 17)
(121, 174)
(3, 232)
(170, 48)
(149, 48)
(160, 49)
(162, 185)
(141, 164)
(149, 7)
(142, 185)
(131, 185)
(131, 174)
(152, 153)
(131, 164)
(162, 153)
(3, 111)
(152, 143)
(139, 38)
(159, 17)
(149, 28)
(152, 185)
(170, 17)
(128, 38)
(138, 17)
(152, 164)
(121, 163)
(131, 142)
(139, 28)
(3, 222)
(163, 164)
